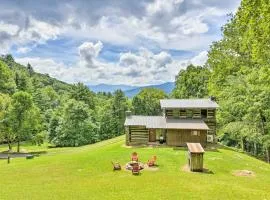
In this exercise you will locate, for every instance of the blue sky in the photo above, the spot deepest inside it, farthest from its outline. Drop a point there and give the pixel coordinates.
(115, 42)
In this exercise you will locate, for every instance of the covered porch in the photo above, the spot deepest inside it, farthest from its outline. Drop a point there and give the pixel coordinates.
(150, 130)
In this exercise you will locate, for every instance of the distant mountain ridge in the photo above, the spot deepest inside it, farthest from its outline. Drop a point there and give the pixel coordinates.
(131, 91)
(110, 88)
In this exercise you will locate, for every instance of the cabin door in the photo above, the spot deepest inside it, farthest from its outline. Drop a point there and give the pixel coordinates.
(152, 135)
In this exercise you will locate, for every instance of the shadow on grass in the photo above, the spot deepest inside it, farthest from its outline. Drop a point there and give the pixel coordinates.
(186, 168)
(207, 171)
(6, 154)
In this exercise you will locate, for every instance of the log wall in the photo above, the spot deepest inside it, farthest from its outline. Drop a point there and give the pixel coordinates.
(138, 135)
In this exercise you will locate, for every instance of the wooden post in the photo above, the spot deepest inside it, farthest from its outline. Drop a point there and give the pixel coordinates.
(8, 159)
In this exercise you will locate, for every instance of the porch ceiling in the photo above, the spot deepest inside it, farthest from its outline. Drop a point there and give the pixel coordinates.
(164, 123)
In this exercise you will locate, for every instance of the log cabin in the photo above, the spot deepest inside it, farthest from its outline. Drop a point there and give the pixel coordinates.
(182, 121)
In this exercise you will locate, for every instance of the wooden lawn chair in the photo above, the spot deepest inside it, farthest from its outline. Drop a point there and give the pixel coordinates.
(152, 161)
(116, 166)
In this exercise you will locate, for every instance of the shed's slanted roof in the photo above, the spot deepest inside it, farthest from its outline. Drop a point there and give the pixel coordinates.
(164, 123)
(195, 148)
(188, 103)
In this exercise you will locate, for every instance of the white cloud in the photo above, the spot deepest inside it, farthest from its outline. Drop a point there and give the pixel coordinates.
(23, 50)
(161, 6)
(88, 51)
(46, 66)
(200, 59)
(39, 32)
(36, 32)
(189, 25)
(8, 28)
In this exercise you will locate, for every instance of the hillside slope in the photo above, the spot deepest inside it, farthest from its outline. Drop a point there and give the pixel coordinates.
(86, 173)
(39, 80)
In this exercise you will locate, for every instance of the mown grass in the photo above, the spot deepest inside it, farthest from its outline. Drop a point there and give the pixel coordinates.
(86, 173)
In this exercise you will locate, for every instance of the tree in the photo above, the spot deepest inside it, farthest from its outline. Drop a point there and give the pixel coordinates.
(7, 84)
(108, 126)
(147, 101)
(46, 98)
(23, 82)
(191, 82)
(9, 58)
(23, 117)
(39, 138)
(6, 135)
(119, 108)
(76, 127)
(30, 69)
(82, 93)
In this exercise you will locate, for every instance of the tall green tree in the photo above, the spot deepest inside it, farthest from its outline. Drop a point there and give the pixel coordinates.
(147, 101)
(75, 128)
(119, 108)
(7, 84)
(23, 117)
(6, 134)
(30, 69)
(23, 81)
(82, 93)
(191, 82)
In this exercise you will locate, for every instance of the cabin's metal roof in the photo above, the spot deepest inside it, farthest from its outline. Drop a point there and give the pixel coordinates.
(188, 103)
(195, 148)
(165, 123)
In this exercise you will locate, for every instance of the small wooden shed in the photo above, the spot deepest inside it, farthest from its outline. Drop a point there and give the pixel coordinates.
(195, 156)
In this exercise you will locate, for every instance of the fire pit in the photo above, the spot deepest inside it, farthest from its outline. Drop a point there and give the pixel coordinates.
(130, 164)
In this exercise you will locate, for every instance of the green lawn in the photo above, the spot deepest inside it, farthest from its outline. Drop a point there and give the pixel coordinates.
(86, 173)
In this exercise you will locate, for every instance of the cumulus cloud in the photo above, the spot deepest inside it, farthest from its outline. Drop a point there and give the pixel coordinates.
(32, 31)
(88, 51)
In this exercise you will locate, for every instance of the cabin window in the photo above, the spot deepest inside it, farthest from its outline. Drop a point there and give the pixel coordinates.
(204, 113)
(169, 113)
(183, 114)
(195, 133)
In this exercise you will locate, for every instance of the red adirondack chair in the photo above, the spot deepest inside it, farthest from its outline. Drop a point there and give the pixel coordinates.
(134, 157)
(135, 168)
(152, 161)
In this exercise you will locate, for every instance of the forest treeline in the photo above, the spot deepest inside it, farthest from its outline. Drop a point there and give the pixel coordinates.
(37, 108)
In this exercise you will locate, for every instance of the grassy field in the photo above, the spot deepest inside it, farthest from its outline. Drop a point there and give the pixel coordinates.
(86, 173)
